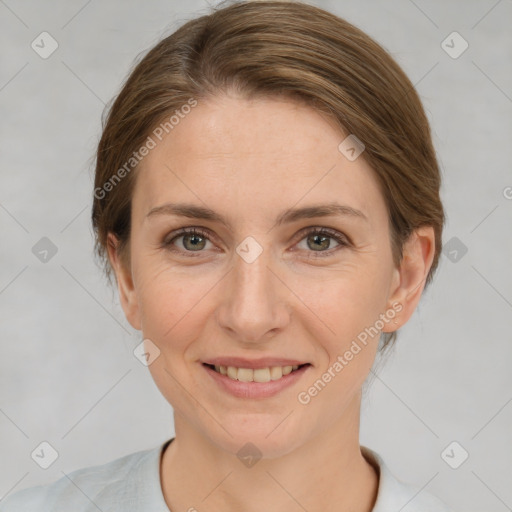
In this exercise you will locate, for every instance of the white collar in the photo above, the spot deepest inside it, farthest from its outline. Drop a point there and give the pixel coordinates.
(393, 494)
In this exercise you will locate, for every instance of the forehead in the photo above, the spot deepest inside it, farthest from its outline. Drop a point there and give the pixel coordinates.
(253, 155)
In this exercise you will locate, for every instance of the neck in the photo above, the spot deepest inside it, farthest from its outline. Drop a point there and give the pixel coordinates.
(326, 473)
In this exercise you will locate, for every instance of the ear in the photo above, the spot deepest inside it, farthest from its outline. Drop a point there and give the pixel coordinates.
(409, 279)
(127, 295)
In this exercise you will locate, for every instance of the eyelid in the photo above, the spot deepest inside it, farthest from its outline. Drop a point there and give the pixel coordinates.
(188, 230)
(339, 236)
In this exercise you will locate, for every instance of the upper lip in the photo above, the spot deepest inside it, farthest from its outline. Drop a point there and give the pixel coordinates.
(241, 362)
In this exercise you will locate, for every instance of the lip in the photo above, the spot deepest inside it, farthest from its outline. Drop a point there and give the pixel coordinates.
(255, 390)
(253, 364)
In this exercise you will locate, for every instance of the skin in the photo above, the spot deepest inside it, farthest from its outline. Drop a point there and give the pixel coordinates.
(249, 161)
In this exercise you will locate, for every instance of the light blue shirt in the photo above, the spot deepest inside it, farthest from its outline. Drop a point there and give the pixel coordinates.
(132, 484)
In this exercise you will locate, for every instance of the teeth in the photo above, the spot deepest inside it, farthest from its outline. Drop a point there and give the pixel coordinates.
(276, 372)
(257, 375)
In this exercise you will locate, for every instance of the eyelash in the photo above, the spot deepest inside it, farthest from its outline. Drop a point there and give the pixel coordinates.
(342, 240)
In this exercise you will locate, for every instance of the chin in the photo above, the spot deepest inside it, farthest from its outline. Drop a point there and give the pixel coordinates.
(268, 438)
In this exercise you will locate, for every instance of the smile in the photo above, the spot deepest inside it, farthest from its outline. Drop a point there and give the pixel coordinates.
(255, 375)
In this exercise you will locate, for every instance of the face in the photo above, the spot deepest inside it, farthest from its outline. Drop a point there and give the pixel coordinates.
(270, 275)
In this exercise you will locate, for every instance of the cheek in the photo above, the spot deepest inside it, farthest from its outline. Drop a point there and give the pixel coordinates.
(347, 300)
(345, 333)
(171, 303)
(347, 307)
(172, 316)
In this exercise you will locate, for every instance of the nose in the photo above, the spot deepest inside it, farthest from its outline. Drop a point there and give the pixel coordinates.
(254, 304)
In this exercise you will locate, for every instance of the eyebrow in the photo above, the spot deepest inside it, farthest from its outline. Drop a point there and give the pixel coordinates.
(193, 211)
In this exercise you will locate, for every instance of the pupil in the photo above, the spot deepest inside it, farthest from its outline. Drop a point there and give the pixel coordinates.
(323, 238)
(195, 244)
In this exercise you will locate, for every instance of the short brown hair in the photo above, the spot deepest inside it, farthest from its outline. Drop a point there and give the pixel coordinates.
(276, 48)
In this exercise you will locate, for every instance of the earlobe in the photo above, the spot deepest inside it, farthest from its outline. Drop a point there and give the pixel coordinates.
(409, 279)
(125, 285)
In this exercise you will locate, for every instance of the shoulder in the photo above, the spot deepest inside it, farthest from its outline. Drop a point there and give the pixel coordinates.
(111, 486)
(393, 494)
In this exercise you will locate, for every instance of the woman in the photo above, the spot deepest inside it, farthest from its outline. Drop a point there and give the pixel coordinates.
(267, 198)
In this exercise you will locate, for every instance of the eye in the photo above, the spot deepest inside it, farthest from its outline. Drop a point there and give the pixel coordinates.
(193, 240)
(319, 240)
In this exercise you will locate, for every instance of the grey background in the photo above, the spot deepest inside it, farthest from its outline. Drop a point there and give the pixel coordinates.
(68, 375)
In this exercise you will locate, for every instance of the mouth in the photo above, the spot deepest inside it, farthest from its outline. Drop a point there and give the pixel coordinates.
(259, 375)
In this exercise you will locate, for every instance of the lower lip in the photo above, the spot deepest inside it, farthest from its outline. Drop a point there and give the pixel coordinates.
(255, 389)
